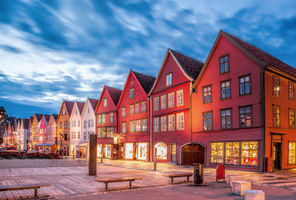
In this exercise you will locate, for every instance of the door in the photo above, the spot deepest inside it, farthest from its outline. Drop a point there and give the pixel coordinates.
(173, 153)
(192, 153)
(277, 156)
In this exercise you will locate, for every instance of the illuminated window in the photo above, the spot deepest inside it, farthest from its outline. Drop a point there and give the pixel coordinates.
(232, 153)
(292, 153)
(161, 151)
(291, 118)
(156, 124)
(138, 125)
(129, 150)
(144, 125)
(171, 122)
(132, 109)
(276, 86)
(137, 108)
(156, 103)
(123, 127)
(291, 94)
(132, 93)
(245, 85)
(276, 116)
(207, 121)
(169, 79)
(108, 151)
(225, 118)
(207, 94)
(217, 152)
(111, 117)
(180, 121)
(123, 112)
(163, 123)
(132, 126)
(180, 98)
(163, 102)
(245, 114)
(143, 106)
(142, 151)
(225, 90)
(249, 153)
(171, 102)
(224, 64)
(99, 150)
(105, 102)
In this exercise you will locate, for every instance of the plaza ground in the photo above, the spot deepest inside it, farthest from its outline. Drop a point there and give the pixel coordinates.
(69, 180)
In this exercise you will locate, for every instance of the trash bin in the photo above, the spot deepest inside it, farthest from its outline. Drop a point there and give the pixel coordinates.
(197, 173)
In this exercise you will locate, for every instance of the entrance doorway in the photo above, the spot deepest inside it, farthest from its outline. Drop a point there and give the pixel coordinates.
(192, 153)
(277, 156)
(173, 152)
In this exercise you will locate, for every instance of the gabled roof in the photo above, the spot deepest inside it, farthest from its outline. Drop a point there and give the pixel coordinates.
(266, 58)
(47, 117)
(93, 103)
(38, 117)
(55, 116)
(114, 94)
(145, 81)
(190, 67)
(69, 106)
(80, 106)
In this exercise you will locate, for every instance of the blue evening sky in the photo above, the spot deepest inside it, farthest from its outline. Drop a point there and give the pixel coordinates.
(52, 50)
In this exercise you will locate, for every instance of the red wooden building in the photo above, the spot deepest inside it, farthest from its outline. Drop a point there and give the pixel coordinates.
(106, 122)
(235, 120)
(170, 97)
(133, 117)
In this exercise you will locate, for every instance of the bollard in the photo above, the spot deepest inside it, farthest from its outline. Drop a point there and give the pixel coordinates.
(92, 166)
(155, 161)
(102, 154)
(198, 174)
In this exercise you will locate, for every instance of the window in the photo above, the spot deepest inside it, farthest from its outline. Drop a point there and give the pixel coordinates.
(132, 126)
(245, 116)
(171, 122)
(161, 151)
(276, 116)
(88, 123)
(123, 127)
(144, 125)
(180, 99)
(249, 152)
(103, 118)
(156, 124)
(132, 109)
(123, 111)
(276, 86)
(292, 153)
(84, 135)
(169, 78)
(225, 91)
(207, 121)
(132, 93)
(180, 121)
(291, 95)
(111, 117)
(78, 135)
(78, 123)
(156, 103)
(224, 64)
(137, 107)
(163, 123)
(65, 124)
(138, 125)
(143, 106)
(232, 153)
(226, 119)
(163, 102)
(245, 85)
(207, 94)
(60, 124)
(85, 124)
(171, 102)
(217, 152)
(105, 102)
(291, 118)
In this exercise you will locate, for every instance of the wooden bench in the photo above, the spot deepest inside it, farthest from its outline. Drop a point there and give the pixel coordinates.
(114, 180)
(24, 187)
(172, 176)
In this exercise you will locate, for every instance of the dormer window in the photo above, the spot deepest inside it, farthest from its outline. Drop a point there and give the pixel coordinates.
(105, 102)
(132, 93)
(224, 64)
(169, 79)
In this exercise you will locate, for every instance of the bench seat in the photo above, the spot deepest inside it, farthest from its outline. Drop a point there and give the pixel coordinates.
(172, 176)
(23, 187)
(114, 180)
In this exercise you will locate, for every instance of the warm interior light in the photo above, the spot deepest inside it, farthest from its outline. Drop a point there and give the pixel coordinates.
(142, 151)
(129, 148)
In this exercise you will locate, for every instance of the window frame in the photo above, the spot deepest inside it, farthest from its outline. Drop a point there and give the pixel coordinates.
(239, 119)
(250, 82)
(225, 81)
(274, 93)
(105, 102)
(291, 90)
(171, 100)
(291, 118)
(156, 103)
(228, 60)
(207, 86)
(207, 112)
(132, 93)
(177, 94)
(178, 121)
(170, 76)
(273, 116)
(226, 109)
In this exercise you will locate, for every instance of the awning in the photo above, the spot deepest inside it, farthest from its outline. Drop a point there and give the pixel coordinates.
(47, 144)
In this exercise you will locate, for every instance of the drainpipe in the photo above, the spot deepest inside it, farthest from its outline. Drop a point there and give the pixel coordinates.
(150, 128)
(263, 115)
(190, 111)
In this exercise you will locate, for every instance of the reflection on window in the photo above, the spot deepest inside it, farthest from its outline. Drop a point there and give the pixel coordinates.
(217, 152)
(142, 151)
(292, 153)
(161, 151)
(249, 153)
(129, 149)
(232, 153)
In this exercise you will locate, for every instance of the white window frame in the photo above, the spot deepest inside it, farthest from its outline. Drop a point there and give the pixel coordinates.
(180, 121)
(180, 98)
(163, 100)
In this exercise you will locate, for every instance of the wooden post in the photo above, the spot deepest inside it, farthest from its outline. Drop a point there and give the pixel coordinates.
(155, 159)
(92, 164)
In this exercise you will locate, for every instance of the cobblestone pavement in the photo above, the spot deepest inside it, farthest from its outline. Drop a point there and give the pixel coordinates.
(69, 179)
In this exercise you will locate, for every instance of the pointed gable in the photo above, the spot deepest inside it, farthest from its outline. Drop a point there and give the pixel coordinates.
(93, 103)
(80, 106)
(114, 94)
(47, 118)
(38, 116)
(69, 106)
(145, 81)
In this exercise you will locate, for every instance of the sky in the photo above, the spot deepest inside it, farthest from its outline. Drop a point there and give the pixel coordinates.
(52, 50)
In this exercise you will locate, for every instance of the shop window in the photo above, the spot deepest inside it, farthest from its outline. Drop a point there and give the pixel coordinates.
(232, 153)
(217, 152)
(291, 94)
(224, 64)
(171, 102)
(142, 151)
(207, 121)
(163, 102)
(163, 123)
(180, 98)
(291, 118)
(276, 116)
(276, 86)
(171, 122)
(245, 114)
(144, 106)
(129, 150)
(99, 150)
(292, 153)
(161, 151)
(226, 119)
(156, 103)
(156, 124)
(207, 94)
(108, 150)
(249, 153)
(244, 85)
